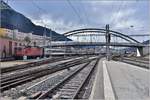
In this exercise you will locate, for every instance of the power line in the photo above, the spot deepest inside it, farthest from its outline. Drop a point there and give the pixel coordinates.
(125, 20)
(118, 12)
(37, 6)
(74, 9)
(40, 9)
(112, 10)
(85, 13)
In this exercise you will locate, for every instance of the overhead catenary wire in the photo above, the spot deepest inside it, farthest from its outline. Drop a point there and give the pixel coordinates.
(86, 17)
(124, 19)
(114, 19)
(85, 13)
(40, 10)
(112, 8)
(75, 11)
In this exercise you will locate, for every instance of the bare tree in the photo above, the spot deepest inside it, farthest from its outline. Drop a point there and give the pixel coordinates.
(28, 40)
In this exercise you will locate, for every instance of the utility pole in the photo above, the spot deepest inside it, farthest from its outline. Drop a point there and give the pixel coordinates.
(50, 43)
(44, 36)
(65, 47)
(108, 38)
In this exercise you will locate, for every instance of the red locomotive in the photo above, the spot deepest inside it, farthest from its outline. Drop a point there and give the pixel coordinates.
(29, 52)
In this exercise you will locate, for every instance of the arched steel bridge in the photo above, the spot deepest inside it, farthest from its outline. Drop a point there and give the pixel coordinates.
(96, 30)
(131, 42)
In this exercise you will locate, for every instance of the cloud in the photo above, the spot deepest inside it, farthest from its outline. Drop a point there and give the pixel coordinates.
(110, 2)
(99, 13)
(58, 25)
(123, 14)
(102, 2)
(124, 18)
(121, 19)
(126, 24)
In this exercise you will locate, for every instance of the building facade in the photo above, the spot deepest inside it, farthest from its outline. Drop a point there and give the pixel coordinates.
(16, 35)
(9, 39)
(7, 47)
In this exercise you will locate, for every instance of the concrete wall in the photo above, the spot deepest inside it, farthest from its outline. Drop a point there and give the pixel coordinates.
(146, 51)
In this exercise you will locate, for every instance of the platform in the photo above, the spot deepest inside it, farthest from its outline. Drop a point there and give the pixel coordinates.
(98, 87)
(128, 82)
(11, 63)
(19, 62)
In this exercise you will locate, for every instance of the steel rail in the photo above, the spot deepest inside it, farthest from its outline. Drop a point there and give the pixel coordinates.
(69, 77)
(8, 83)
(29, 65)
(136, 62)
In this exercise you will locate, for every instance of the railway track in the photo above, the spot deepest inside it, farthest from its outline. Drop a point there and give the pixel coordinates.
(29, 65)
(139, 58)
(144, 63)
(70, 87)
(37, 69)
(10, 81)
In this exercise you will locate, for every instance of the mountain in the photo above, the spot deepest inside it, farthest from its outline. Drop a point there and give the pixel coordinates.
(12, 19)
(146, 42)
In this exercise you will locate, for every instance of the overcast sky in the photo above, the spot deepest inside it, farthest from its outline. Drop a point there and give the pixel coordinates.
(65, 15)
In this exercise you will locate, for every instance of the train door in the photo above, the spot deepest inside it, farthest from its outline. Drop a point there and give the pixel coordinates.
(10, 48)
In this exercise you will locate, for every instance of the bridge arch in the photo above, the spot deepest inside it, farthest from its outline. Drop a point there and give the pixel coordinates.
(114, 33)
